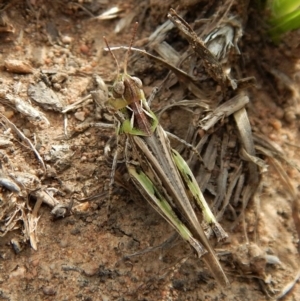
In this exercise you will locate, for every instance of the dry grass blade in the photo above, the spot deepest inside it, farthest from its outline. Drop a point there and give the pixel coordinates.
(244, 128)
(288, 287)
(78, 104)
(229, 193)
(224, 110)
(10, 214)
(30, 224)
(254, 159)
(25, 108)
(189, 105)
(270, 149)
(111, 13)
(23, 137)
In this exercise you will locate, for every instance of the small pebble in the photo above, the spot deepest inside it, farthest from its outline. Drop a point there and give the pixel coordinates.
(279, 113)
(26, 132)
(8, 114)
(89, 219)
(164, 116)
(35, 262)
(18, 48)
(80, 115)
(66, 39)
(17, 66)
(90, 269)
(265, 129)
(84, 49)
(19, 272)
(56, 86)
(82, 207)
(48, 61)
(63, 243)
(289, 115)
(49, 290)
(276, 124)
(75, 231)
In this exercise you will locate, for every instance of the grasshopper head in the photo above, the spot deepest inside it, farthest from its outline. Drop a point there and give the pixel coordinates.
(126, 90)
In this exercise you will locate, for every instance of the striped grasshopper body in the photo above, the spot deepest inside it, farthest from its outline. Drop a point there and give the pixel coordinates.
(159, 173)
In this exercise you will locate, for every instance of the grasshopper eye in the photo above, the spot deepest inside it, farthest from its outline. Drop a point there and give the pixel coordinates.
(137, 81)
(119, 88)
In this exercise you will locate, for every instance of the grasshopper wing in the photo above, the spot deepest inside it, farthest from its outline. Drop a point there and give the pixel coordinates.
(193, 186)
(160, 204)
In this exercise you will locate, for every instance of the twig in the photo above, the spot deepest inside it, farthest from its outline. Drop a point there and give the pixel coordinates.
(23, 137)
(288, 287)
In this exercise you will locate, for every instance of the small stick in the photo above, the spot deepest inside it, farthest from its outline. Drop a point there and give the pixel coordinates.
(23, 137)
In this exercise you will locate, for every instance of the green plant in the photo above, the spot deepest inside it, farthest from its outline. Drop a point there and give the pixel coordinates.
(284, 16)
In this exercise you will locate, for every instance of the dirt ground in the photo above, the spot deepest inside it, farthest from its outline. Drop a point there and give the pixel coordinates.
(82, 256)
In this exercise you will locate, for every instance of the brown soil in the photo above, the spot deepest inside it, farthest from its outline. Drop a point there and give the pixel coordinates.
(82, 256)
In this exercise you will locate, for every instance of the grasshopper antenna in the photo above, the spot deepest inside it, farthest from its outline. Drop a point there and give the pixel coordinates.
(114, 57)
(131, 43)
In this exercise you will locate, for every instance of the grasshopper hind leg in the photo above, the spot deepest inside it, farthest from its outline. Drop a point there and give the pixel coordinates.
(112, 152)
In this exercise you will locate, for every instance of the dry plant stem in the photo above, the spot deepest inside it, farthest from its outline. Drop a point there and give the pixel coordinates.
(109, 14)
(228, 196)
(218, 17)
(226, 109)
(78, 104)
(160, 33)
(254, 159)
(188, 105)
(264, 146)
(30, 225)
(288, 287)
(189, 81)
(41, 195)
(36, 207)
(212, 65)
(257, 206)
(66, 125)
(245, 135)
(23, 137)
(11, 220)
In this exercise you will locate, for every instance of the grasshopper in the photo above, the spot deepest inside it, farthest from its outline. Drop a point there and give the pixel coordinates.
(159, 172)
